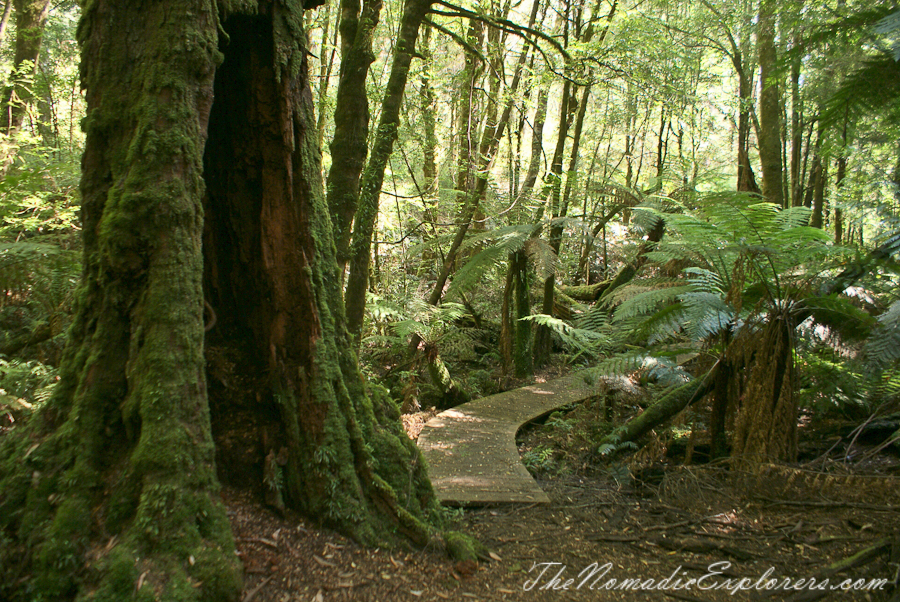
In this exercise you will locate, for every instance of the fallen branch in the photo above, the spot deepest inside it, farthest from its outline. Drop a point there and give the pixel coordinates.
(662, 410)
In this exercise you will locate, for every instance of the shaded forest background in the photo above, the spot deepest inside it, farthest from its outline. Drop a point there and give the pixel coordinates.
(539, 153)
(701, 196)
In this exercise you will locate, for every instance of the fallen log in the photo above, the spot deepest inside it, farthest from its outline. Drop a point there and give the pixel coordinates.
(665, 408)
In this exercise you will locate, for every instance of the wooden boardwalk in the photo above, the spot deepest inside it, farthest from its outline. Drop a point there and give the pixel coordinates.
(471, 449)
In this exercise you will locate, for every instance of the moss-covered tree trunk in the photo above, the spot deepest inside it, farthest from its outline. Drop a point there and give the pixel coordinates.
(117, 478)
(414, 12)
(110, 493)
(271, 276)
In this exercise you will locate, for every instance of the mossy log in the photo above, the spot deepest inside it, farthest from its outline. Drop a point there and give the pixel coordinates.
(585, 293)
(662, 410)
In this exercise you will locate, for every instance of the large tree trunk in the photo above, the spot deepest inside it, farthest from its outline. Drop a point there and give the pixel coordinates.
(124, 471)
(113, 483)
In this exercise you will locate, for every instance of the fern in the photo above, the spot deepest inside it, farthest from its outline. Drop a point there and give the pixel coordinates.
(582, 341)
(883, 347)
(500, 243)
(648, 300)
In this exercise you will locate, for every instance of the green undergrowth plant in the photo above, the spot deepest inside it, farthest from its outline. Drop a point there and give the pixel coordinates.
(450, 337)
(732, 280)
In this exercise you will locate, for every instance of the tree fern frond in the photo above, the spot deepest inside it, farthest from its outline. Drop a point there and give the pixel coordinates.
(706, 314)
(512, 238)
(649, 301)
(542, 256)
(619, 364)
(662, 325)
(582, 341)
(596, 318)
(840, 315)
(704, 281)
(883, 346)
(794, 217)
(470, 274)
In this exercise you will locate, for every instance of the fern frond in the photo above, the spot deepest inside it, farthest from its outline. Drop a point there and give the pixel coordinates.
(470, 274)
(619, 364)
(840, 315)
(706, 314)
(649, 301)
(582, 341)
(662, 325)
(883, 346)
(542, 256)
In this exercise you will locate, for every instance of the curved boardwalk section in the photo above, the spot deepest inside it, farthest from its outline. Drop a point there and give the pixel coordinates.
(471, 449)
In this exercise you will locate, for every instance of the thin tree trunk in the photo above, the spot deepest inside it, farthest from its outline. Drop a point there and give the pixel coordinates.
(839, 182)
(429, 118)
(769, 105)
(537, 147)
(4, 21)
(543, 336)
(351, 117)
(429, 151)
(325, 69)
(796, 133)
(31, 17)
(414, 12)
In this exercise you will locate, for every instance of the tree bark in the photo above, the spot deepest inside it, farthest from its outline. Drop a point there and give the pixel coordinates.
(769, 105)
(125, 455)
(351, 117)
(414, 12)
(113, 484)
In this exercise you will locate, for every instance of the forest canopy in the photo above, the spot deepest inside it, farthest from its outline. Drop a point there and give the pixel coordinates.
(289, 223)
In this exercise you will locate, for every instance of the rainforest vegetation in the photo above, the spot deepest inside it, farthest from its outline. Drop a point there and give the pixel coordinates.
(240, 238)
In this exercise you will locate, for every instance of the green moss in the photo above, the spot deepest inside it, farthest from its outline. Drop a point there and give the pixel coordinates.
(463, 547)
(219, 573)
(120, 576)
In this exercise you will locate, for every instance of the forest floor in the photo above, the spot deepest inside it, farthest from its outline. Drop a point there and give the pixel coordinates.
(607, 523)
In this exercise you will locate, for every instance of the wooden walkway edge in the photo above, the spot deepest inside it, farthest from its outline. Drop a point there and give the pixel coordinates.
(471, 449)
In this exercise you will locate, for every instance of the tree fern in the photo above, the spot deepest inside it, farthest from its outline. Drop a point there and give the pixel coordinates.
(581, 341)
(883, 347)
(648, 299)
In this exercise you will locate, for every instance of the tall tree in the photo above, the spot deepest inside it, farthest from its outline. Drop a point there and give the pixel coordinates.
(351, 116)
(203, 110)
(414, 12)
(770, 147)
(31, 17)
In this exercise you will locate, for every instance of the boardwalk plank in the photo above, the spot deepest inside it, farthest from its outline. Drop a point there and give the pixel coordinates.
(471, 449)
